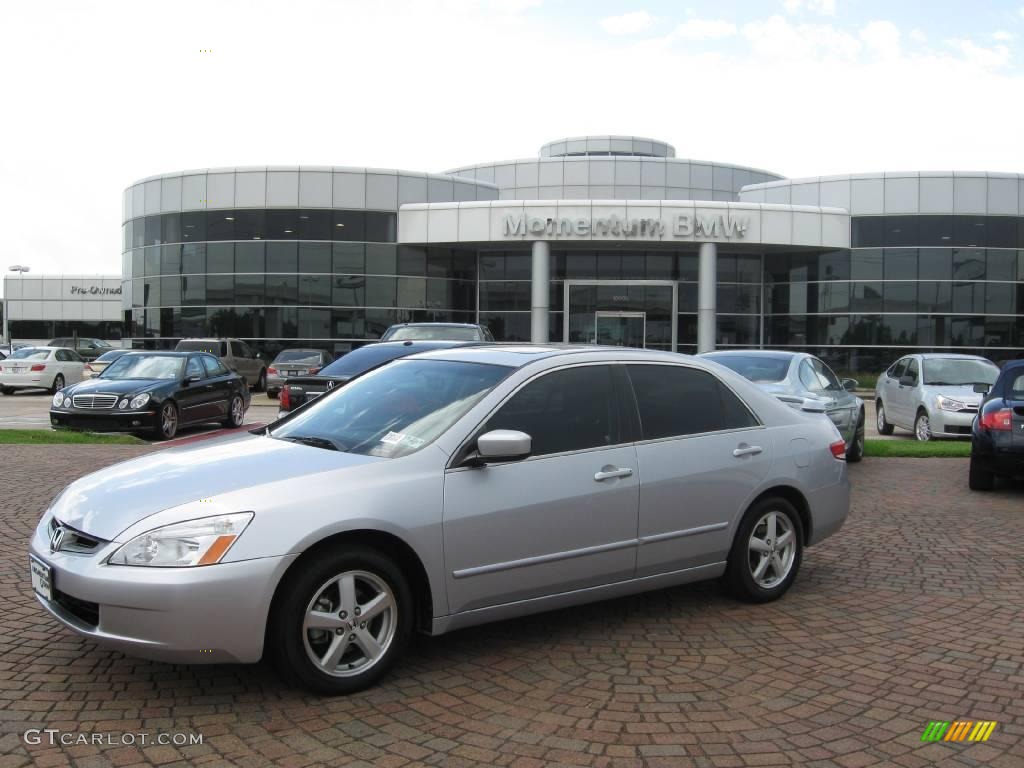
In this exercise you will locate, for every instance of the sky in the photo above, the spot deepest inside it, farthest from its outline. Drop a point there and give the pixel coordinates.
(101, 93)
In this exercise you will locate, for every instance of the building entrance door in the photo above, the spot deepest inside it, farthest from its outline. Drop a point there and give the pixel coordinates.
(620, 329)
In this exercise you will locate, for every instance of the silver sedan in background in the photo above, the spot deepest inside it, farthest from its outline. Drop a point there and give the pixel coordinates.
(796, 377)
(446, 489)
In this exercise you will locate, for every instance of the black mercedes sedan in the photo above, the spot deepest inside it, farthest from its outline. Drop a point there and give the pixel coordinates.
(997, 436)
(157, 392)
(299, 390)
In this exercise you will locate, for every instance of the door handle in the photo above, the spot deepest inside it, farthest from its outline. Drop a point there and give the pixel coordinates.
(607, 474)
(747, 450)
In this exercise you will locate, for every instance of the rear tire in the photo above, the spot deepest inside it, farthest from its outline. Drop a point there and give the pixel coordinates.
(236, 413)
(6, 390)
(307, 594)
(884, 427)
(748, 575)
(979, 478)
(273, 395)
(261, 381)
(856, 451)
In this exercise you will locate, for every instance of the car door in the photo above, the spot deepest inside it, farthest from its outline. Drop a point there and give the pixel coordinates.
(219, 379)
(562, 519)
(906, 394)
(701, 458)
(843, 405)
(891, 390)
(194, 396)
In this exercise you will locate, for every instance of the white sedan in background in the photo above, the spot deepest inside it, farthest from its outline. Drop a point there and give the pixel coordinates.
(50, 368)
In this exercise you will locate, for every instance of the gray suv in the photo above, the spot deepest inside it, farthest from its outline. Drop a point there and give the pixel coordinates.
(236, 355)
(932, 395)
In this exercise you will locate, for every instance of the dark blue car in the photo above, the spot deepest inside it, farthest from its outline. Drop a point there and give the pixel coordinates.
(997, 436)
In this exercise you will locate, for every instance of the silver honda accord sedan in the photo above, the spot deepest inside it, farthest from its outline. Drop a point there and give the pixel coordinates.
(442, 490)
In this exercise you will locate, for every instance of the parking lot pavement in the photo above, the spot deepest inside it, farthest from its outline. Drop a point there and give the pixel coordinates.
(913, 612)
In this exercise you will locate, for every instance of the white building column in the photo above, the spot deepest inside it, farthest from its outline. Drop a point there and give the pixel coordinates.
(707, 290)
(540, 282)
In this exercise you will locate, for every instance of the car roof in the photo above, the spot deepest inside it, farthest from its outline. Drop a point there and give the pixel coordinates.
(520, 355)
(435, 325)
(772, 353)
(166, 353)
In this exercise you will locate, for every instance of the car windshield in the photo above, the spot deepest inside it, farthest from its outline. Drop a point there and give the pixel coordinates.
(30, 353)
(1017, 386)
(113, 354)
(144, 367)
(311, 356)
(395, 410)
(757, 368)
(432, 333)
(952, 371)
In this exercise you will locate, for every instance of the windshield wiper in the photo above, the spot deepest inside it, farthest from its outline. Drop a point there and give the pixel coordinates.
(315, 442)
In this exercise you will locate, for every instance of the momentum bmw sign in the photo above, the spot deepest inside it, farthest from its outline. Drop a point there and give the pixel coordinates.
(684, 225)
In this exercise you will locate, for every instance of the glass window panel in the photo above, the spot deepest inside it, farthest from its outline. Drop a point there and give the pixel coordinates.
(504, 296)
(381, 227)
(439, 294)
(934, 296)
(660, 266)
(968, 264)
(152, 259)
(748, 268)
(138, 292)
(349, 258)
(999, 332)
(193, 290)
(412, 292)
(412, 261)
(726, 267)
(281, 322)
(580, 264)
(900, 264)
(737, 330)
(867, 297)
(868, 231)
(687, 297)
(935, 230)
(138, 257)
(899, 329)
(866, 264)
(492, 265)
(220, 225)
(901, 296)
(439, 262)
(170, 228)
(609, 266)
(557, 296)
(249, 288)
(315, 257)
(151, 292)
(464, 264)
(969, 231)
(250, 224)
(193, 226)
(348, 290)
(170, 291)
(314, 323)
(1001, 231)
(518, 266)
(507, 326)
(901, 230)
(688, 267)
(833, 296)
(220, 289)
(633, 265)
(282, 224)
(935, 264)
(381, 259)
(1001, 265)
(152, 228)
(968, 297)
(379, 320)
(138, 232)
(999, 299)
(834, 265)
(349, 225)
(193, 258)
(170, 259)
(968, 332)
(686, 332)
(250, 257)
(348, 323)
(776, 267)
(282, 257)
(282, 289)
(220, 257)
(316, 225)
(380, 291)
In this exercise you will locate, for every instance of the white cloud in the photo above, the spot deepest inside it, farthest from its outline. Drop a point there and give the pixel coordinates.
(627, 23)
(777, 38)
(995, 57)
(918, 36)
(824, 7)
(1002, 36)
(512, 7)
(882, 38)
(704, 29)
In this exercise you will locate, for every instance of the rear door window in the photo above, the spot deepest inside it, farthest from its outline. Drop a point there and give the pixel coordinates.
(675, 401)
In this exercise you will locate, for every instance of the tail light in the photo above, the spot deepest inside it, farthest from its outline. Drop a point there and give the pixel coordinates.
(272, 371)
(999, 421)
(285, 399)
(89, 367)
(838, 449)
(313, 370)
(38, 367)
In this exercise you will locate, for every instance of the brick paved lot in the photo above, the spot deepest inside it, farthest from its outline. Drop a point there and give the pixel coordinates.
(914, 612)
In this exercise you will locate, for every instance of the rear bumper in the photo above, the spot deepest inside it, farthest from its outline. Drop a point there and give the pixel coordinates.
(1006, 462)
(829, 506)
(105, 421)
(38, 380)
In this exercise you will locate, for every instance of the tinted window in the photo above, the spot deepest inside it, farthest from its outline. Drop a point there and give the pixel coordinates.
(214, 367)
(828, 379)
(194, 368)
(567, 410)
(674, 400)
(237, 350)
(298, 356)
(62, 355)
(912, 369)
(758, 368)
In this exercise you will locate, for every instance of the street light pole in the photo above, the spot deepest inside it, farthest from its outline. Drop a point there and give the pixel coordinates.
(21, 269)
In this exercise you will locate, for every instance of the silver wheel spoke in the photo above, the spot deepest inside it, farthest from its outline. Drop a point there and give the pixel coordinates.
(368, 643)
(375, 607)
(777, 566)
(323, 620)
(784, 539)
(347, 592)
(334, 652)
(758, 545)
(761, 567)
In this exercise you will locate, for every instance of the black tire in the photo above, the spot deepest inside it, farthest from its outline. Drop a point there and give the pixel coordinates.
(856, 450)
(884, 427)
(6, 391)
(261, 381)
(287, 642)
(272, 394)
(739, 575)
(918, 431)
(58, 384)
(236, 412)
(166, 429)
(979, 478)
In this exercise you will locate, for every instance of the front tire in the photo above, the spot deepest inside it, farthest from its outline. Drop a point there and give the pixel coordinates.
(58, 384)
(167, 421)
(922, 426)
(341, 620)
(979, 478)
(236, 413)
(884, 427)
(856, 450)
(766, 552)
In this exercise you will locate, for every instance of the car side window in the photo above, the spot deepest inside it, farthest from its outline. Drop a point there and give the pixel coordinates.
(214, 367)
(912, 369)
(828, 379)
(1017, 387)
(62, 356)
(674, 401)
(897, 371)
(236, 349)
(809, 378)
(567, 410)
(193, 368)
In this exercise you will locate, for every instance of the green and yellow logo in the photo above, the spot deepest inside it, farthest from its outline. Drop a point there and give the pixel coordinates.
(958, 730)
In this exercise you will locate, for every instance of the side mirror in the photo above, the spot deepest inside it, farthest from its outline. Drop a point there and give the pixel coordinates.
(982, 389)
(908, 381)
(850, 384)
(503, 445)
(812, 406)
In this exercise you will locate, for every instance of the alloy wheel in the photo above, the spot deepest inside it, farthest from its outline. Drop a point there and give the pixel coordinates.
(168, 420)
(923, 428)
(771, 549)
(237, 411)
(58, 383)
(880, 418)
(350, 623)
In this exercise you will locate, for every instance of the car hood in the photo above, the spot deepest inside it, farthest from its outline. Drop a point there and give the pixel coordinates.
(963, 392)
(107, 502)
(116, 386)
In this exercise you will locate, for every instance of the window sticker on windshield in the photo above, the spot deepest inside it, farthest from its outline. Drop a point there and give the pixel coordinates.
(398, 438)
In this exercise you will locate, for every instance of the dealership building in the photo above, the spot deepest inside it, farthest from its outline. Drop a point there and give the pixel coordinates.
(38, 308)
(607, 239)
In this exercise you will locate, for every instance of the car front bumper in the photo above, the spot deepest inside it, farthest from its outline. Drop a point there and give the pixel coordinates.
(207, 614)
(103, 420)
(951, 423)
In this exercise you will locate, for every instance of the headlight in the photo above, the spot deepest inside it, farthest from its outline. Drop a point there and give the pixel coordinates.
(67, 402)
(123, 404)
(949, 404)
(196, 542)
(58, 400)
(139, 400)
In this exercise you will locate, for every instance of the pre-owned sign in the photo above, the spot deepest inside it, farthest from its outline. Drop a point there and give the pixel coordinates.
(95, 290)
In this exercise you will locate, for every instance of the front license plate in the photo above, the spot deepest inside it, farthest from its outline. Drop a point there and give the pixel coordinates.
(42, 577)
